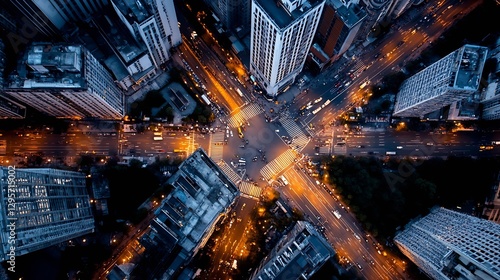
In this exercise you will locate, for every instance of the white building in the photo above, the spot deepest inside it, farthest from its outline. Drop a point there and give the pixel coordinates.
(281, 35)
(48, 207)
(452, 78)
(446, 244)
(66, 81)
(152, 21)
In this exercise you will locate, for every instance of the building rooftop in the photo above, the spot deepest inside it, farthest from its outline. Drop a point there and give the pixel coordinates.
(297, 255)
(352, 15)
(470, 64)
(50, 66)
(133, 10)
(284, 12)
(202, 192)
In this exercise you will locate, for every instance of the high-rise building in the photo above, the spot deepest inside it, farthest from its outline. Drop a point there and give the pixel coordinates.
(490, 97)
(154, 22)
(65, 81)
(452, 78)
(129, 61)
(8, 107)
(281, 35)
(450, 245)
(336, 32)
(42, 207)
(185, 219)
(298, 255)
(233, 14)
(49, 16)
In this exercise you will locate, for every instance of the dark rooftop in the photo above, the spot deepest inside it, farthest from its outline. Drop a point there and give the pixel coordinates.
(281, 16)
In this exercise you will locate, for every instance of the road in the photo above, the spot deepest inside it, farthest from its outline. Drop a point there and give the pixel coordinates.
(339, 140)
(341, 84)
(353, 245)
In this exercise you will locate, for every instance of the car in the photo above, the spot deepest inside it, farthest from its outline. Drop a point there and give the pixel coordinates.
(399, 147)
(430, 144)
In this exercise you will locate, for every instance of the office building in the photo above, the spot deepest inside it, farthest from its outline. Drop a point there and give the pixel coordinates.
(65, 81)
(298, 255)
(281, 36)
(185, 219)
(490, 97)
(336, 32)
(42, 207)
(153, 22)
(491, 211)
(129, 60)
(50, 16)
(449, 245)
(8, 107)
(233, 14)
(452, 78)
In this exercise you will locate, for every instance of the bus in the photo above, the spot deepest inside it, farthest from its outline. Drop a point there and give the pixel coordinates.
(240, 132)
(178, 151)
(157, 133)
(239, 92)
(205, 99)
(157, 138)
(390, 153)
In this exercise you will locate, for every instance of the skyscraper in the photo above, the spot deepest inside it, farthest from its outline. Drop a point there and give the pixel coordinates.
(42, 207)
(233, 14)
(50, 15)
(66, 81)
(452, 78)
(185, 219)
(298, 255)
(281, 35)
(336, 31)
(154, 22)
(446, 244)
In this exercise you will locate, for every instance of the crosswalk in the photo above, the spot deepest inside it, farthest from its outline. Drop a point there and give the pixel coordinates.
(244, 186)
(299, 139)
(250, 189)
(216, 148)
(247, 112)
(277, 165)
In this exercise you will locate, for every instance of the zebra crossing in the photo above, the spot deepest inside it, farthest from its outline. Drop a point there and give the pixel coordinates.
(244, 114)
(216, 147)
(250, 189)
(278, 164)
(230, 173)
(299, 139)
(244, 187)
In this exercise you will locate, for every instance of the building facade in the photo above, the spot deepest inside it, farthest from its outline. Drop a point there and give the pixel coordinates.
(336, 32)
(281, 35)
(452, 78)
(298, 255)
(233, 14)
(446, 244)
(66, 81)
(153, 22)
(49, 16)
(42, 207)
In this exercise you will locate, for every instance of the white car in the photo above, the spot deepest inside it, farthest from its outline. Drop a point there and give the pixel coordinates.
(399, 147)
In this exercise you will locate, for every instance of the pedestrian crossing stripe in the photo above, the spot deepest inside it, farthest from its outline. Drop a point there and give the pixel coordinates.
(278, 165)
